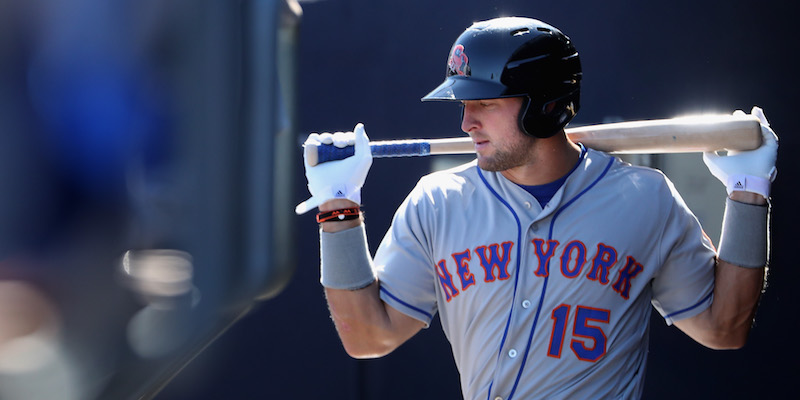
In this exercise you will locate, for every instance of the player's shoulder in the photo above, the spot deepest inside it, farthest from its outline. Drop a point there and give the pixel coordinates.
(451, 178)
(643, 178)
(448, 183)
(626, 168)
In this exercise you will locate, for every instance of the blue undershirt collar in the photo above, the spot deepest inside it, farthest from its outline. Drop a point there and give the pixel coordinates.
(543, 193)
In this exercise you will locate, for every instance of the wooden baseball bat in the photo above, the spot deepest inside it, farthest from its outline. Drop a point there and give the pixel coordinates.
(674, 135)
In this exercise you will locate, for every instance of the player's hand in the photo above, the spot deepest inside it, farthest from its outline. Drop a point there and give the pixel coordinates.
(750, 171)
(341, 179)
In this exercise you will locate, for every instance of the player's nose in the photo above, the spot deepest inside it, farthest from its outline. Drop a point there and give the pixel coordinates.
(469, 122)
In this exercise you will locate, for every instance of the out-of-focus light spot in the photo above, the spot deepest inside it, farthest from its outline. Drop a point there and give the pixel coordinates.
(162, 278)
(158, 273)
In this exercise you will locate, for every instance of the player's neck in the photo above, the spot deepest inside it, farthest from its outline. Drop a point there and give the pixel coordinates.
(553, 158)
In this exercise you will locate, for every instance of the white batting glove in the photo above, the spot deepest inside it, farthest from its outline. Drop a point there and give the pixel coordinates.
(750, 171)
(340, 179)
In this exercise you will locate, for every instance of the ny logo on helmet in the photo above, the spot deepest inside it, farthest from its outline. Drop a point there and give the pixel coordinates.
(458, 63)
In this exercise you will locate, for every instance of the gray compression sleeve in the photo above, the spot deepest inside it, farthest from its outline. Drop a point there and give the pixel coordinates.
(345, 261)
(744, 240)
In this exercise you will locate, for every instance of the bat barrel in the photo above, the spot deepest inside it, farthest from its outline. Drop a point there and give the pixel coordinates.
(676, 135)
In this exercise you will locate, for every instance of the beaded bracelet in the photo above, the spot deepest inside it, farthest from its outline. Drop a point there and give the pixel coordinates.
(343, 214)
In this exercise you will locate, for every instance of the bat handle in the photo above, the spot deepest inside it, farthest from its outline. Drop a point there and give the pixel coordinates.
(328, 152)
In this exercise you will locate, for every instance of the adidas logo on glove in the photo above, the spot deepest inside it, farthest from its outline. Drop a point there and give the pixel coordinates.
(339, 191)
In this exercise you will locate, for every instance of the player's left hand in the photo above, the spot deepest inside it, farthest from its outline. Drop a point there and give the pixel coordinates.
(340, 179)
(750, 171)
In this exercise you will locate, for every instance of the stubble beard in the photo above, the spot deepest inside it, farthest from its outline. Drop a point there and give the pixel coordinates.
(509, 156)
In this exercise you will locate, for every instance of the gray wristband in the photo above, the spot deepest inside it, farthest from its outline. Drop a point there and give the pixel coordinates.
(345, 260)
(744, 240)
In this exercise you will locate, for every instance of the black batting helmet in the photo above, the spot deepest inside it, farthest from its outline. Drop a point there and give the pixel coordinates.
(516, 57)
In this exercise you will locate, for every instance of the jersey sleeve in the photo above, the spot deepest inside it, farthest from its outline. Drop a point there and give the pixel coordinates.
(403, 261)
(684, 284)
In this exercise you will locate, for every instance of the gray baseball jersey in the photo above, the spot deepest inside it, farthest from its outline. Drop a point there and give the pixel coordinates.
(554, 302)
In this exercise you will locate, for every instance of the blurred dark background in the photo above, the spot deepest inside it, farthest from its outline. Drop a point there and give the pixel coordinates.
(142, 125)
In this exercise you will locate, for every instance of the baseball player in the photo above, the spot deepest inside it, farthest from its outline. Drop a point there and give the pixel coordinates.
(541, 257)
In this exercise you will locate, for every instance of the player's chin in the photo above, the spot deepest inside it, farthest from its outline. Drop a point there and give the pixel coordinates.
(488, 164)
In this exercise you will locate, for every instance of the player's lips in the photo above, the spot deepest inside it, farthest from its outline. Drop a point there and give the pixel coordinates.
(480, 144)
(479, 141)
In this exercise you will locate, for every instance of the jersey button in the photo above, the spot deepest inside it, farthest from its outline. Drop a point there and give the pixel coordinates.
(526, 303)
(498, 398)
(512, 353)
(527, 204)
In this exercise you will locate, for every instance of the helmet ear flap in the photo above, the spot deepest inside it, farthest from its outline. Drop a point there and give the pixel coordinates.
(545, 120)
(523, 116)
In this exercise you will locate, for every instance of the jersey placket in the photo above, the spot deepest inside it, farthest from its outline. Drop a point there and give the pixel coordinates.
(525, 317)
(506, 370)
(524, 313)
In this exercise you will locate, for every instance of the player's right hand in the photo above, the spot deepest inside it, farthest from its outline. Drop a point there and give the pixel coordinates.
(340, 179)
(751, 171)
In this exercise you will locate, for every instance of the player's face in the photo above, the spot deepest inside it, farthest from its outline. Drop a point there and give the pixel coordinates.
(492, 125)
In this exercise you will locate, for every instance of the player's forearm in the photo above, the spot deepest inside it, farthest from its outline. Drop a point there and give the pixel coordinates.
(737, 291)
(367, 327)
(362, 321)
(737, 287)
(748, 198)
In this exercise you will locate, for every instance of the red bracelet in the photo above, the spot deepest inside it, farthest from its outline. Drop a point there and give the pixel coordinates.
(343, 214)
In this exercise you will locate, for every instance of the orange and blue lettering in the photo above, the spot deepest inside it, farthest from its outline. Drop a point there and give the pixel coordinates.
(446, 280)
(462, 267)
(566, 257)
(605, 258)
(595, 334)
(628, 272)
(544, 255)
(495, 261)
(560, 317)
